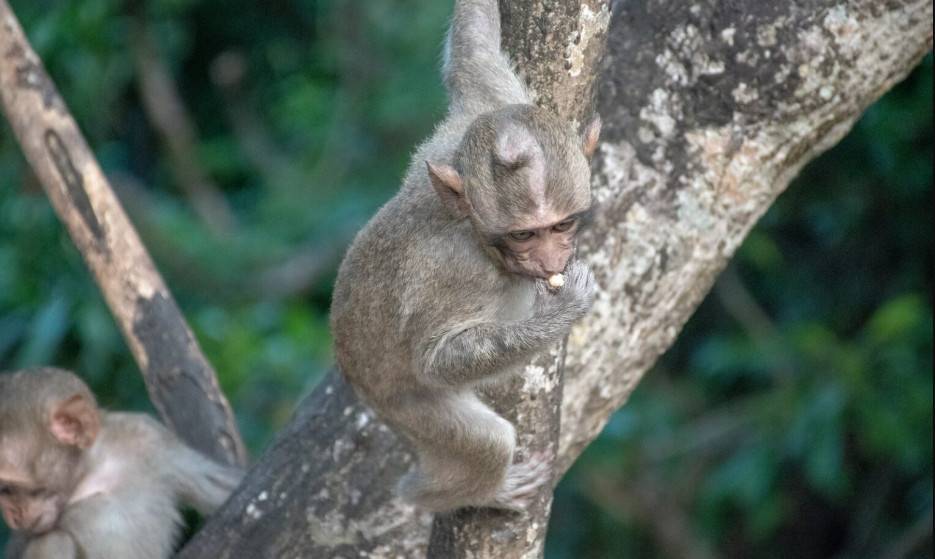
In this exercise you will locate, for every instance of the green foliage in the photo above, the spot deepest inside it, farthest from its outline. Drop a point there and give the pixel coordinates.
(811, 438)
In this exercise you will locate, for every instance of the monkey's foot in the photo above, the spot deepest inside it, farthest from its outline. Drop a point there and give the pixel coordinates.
(523, 482)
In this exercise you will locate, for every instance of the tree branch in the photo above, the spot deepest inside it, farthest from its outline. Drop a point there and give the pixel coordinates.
(709, 112)
(181, 382)
(288, 276)
(168, 114)
(557, 48)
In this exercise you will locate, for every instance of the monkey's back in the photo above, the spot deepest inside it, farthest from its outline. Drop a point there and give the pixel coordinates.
(408, 271)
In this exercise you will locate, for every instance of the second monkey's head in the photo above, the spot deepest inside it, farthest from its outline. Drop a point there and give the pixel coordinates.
(48, 421)
(521, 175)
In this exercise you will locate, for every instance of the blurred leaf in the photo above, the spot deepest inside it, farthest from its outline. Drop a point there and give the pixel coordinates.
(46, 332)
(896, 319)
(759, 250)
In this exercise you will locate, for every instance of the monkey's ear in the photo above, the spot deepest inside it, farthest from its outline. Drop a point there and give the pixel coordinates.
(75, 422)
(450, 189)
(590, 137)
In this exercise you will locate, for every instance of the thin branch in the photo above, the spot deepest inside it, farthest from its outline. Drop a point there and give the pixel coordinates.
(167, 112)
(737, 300)
(300, 271)
(181, 382)
(647, 501)
(291, 275)
(228, 70)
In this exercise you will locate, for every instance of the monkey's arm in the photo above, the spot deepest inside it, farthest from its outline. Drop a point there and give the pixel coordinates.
(188, 475)
(201, 482)
(53, 545)
(481, 351)
(474, 353)
(476, 72)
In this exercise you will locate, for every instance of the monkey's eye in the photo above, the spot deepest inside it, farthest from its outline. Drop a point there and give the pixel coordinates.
(564, 226)
(36, 492)
(5, 490)
(521, 235)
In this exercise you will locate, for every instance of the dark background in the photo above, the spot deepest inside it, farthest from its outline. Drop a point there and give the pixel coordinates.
(793, 417)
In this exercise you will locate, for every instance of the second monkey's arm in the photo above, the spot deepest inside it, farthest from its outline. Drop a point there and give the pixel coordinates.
(52, 545)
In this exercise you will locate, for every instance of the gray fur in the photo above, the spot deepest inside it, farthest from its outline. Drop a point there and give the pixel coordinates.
(423, 308)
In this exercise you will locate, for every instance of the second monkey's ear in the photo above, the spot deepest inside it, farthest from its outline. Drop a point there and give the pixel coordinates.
(75, 422)
(590, 137)
(450, 189)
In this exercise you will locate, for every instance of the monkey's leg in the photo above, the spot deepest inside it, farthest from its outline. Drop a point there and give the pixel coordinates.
(465, 457)
(464, 452)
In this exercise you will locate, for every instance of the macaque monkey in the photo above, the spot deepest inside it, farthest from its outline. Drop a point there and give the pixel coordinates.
(77, 482)
(467, 273)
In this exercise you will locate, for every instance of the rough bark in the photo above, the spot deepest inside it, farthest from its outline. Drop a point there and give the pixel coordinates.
(181, 382)
(709, 111)
(557, 46)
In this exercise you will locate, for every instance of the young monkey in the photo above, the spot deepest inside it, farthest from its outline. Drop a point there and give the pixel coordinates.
(445, 288)
(78, 482)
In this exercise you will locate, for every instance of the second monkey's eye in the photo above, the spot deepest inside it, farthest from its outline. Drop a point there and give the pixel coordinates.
(564, 226)
(521, 235)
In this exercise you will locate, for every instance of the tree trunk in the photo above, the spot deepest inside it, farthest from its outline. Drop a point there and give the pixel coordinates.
(709, 111)
(182, 384)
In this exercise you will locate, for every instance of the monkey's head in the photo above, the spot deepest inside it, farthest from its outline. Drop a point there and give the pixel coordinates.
(521, 175)
(48, 419)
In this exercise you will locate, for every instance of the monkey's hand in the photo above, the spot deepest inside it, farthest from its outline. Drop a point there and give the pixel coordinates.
(569, 302)
(475, 353)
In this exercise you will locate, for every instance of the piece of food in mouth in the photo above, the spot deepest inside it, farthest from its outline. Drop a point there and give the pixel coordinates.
(556, 280)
